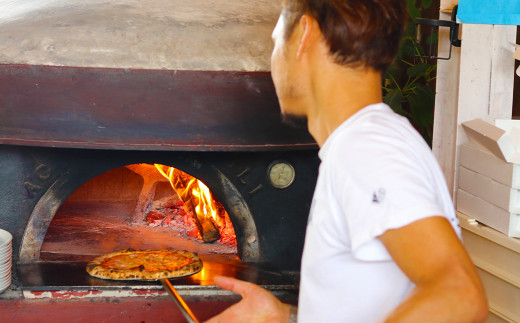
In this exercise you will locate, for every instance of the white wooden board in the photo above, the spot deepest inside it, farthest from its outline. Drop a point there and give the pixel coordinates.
(490, 166)
(488, 214)
(491, 191)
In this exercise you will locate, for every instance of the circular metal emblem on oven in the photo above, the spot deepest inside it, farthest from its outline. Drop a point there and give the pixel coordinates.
(280, 174)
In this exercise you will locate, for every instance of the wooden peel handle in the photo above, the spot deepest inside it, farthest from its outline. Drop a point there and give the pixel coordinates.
(183, 307)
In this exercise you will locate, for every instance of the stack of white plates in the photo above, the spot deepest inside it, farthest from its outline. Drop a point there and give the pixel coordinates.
(6, 251)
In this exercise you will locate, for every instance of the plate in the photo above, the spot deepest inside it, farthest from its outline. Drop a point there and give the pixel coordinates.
(5, 258)
(5, 285)
(5, 267)
(5, 238)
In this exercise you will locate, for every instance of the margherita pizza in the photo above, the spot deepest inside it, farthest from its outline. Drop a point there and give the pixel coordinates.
(145, 264)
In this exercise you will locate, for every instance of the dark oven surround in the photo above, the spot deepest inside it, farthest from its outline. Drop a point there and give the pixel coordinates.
(62, 126)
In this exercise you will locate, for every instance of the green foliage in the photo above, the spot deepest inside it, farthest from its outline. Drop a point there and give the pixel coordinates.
(410, 81)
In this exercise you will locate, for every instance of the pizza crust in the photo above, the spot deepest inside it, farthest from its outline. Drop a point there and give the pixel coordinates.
(145, 264)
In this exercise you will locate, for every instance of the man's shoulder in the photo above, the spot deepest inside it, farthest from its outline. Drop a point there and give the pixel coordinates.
(377, 145)
(376, 127)
(372, 122)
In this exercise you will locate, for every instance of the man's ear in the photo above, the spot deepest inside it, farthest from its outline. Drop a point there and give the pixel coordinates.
(308, 34)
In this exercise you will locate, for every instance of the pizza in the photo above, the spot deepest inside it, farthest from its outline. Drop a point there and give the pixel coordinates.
(145, 264)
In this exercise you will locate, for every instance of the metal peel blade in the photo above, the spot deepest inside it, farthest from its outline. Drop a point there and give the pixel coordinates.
(183, 307)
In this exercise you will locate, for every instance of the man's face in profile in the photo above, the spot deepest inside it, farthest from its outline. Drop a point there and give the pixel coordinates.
(283, 70)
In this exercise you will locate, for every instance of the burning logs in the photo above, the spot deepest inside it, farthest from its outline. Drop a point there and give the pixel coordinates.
(188, 189)
(184, 184)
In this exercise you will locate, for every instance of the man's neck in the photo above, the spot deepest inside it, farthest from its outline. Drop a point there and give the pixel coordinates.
(338, 93)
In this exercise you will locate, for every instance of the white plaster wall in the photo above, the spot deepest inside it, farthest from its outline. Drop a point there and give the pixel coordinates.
(152, 34)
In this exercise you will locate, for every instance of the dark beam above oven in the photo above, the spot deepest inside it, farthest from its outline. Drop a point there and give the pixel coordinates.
(104, 108)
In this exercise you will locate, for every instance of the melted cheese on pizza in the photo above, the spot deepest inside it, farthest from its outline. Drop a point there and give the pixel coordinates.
(148, 261)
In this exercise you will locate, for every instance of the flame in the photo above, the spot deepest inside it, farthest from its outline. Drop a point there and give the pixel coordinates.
(206, 207)
(203, 202)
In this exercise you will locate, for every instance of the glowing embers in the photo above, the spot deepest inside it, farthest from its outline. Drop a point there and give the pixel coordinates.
(198, 212)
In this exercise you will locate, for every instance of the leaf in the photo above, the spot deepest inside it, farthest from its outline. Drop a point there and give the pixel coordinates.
(425, 91)
(421, 102)
(391, 73)
(419, 70)
(431, 69)
(410, 30)
(412, 9)
(433, 38)
(394, 99)
(407, 49)
(427, 3)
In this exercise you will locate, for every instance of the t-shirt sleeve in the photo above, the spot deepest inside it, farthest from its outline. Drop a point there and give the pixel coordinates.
(383, 186)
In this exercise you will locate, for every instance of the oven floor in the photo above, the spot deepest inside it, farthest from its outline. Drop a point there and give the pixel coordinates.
(95, 228)
(72, 275)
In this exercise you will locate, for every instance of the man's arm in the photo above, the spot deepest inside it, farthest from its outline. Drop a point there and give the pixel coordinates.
(448, 288)
(257, 304)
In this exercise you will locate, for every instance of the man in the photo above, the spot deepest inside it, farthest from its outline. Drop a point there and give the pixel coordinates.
(382, 238)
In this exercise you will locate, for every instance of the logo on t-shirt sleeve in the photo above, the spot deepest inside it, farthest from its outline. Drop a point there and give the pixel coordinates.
(378, 196)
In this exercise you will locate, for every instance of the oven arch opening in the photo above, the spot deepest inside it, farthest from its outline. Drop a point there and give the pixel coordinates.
(248, 247)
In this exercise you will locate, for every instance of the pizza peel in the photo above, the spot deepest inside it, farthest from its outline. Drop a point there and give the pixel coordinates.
(181, 304)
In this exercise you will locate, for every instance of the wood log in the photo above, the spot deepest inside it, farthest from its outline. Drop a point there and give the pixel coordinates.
(206, 227)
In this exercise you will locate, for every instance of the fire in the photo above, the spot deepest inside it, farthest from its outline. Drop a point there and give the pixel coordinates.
(206, 207)
(212, 219)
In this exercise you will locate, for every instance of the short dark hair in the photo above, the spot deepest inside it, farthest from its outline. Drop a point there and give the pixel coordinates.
(358, 32)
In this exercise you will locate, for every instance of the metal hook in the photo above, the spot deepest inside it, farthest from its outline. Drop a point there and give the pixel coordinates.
(454, 31)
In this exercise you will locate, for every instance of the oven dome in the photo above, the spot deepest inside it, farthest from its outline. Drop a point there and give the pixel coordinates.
(151, 34)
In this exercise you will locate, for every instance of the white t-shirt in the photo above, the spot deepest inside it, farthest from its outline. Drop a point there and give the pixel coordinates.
(376, 173)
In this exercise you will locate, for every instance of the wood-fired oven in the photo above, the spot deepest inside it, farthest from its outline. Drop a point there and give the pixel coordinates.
(64, 129)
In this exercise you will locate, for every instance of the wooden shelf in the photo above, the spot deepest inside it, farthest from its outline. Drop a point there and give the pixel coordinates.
(497, 237)
(497, 258)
